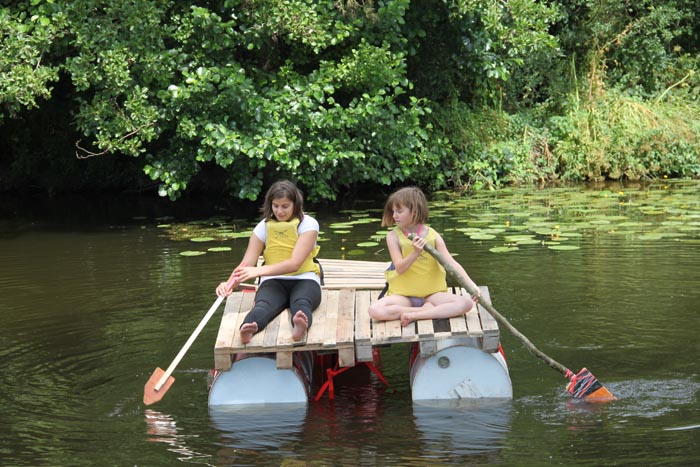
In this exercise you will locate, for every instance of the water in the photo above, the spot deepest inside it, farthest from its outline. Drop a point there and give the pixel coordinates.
(95, 296)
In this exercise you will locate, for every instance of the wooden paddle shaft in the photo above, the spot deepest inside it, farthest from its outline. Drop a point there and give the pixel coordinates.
(229, 285)
(188, 344)
(502, 320)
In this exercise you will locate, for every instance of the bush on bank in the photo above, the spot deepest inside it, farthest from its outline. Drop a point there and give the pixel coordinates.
(226, 96)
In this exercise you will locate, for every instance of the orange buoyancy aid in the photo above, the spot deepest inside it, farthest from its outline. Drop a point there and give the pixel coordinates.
(424, 277)
(280, 242)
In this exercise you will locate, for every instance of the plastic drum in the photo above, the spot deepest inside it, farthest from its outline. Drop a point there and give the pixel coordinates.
(459, 370)
(255, 379)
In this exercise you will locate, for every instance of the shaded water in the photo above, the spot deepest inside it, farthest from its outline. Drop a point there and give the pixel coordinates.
(93, 298)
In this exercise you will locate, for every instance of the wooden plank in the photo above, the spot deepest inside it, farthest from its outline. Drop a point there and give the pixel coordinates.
(346, 356)
(425, 328)
(428, 348)
(458, 324)
(224, 339)
(284, 334)
(408, 333)
(363, 327)
(340, 274)
(259, 337)
(317, 331)
(331, 321)
(246, 305)
(363, 352)
(272, 330)
(345, 264)
(394, 330)
(474, 323)
(379, 332)
(489, 324)
(284, 360)
(346, 317)
(229, 319)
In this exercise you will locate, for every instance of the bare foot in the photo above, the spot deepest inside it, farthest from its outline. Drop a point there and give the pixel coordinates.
(406, 319)
(301, 324)
(247, 331)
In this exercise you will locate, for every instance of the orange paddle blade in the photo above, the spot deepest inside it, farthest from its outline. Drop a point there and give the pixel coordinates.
(150, 395)
(586, 387)
(600, 395)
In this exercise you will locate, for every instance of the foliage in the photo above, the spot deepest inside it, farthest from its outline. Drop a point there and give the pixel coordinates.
(339, 94)
(635, 46)
(25, 75)
(619, 136)
(469, 49)
(259, 88)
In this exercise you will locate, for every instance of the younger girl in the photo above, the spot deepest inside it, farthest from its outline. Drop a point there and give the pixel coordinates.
(286, 238)
(417, 282)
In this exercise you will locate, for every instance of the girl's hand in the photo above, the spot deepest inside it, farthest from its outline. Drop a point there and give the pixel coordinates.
(223, 290)
(243, 273)
(418, 243)
(477, 297)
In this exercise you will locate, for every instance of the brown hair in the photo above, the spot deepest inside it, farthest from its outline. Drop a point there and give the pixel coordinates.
(411, 198)
(283, 189)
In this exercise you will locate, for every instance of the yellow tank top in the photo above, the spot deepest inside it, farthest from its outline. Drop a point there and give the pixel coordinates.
(280, 242)
(425, 276)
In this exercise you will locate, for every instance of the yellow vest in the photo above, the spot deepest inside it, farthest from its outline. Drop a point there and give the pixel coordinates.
(281, 239)
(425, 276)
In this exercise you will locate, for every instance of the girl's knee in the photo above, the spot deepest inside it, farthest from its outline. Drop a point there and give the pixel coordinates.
(467, 304)
(374, 311)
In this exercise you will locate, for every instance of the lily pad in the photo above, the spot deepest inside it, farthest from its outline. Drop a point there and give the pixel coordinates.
(202, 239)
(219, 248)
(482, 236)
(528, 241)
(192, 253)
(367, 244)
(651, 237)
(564, 247)
(503, 249)
(519, 238)
(237, 234)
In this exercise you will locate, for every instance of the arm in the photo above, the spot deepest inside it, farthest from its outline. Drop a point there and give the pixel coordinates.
(402, 264)
(250, 258)
(305, 244)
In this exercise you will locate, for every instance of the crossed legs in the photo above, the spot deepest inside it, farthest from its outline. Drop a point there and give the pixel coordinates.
(436, 306)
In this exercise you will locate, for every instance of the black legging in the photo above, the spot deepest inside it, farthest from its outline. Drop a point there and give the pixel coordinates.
(274, 295)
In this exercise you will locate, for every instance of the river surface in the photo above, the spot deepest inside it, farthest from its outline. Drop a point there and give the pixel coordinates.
(95, 294)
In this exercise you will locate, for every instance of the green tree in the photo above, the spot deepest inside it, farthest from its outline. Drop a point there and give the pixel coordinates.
(26, 69)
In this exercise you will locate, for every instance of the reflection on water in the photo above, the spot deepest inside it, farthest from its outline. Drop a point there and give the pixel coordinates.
(162, 428)
(274, 427)
(463, 427)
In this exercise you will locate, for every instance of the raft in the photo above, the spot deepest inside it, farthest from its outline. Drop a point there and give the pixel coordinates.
(449, 359)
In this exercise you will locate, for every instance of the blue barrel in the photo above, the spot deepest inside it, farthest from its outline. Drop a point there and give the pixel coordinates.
(255, 379)
(459, 370)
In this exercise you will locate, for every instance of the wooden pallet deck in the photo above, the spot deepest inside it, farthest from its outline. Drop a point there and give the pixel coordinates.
(341, 323)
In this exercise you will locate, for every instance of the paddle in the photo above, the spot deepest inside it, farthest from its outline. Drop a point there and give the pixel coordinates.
(582, 385)
(160, 381)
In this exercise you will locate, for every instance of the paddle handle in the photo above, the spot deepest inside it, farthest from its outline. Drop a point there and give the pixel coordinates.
(500, 318)
(231, 282)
